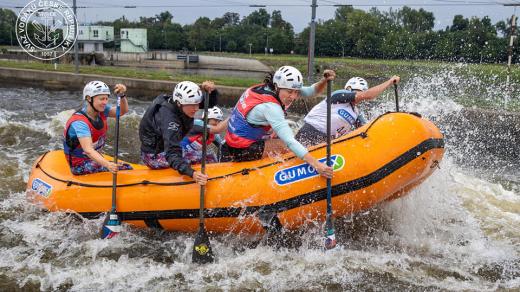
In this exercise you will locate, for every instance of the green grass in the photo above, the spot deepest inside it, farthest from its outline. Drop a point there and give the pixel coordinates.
(485, 74)
(379, 69)
(130, 73)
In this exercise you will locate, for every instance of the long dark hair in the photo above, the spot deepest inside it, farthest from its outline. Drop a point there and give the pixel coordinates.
(268, 81)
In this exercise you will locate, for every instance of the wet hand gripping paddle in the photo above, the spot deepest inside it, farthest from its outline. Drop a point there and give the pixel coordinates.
(202, 252)
(112, 224)
(396, 97)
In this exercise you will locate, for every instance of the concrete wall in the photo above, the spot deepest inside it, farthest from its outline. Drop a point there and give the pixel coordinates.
(138, 88)
(93, 47)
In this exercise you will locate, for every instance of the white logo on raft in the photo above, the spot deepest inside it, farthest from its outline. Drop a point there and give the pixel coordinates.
(305, 171)
(41, 188)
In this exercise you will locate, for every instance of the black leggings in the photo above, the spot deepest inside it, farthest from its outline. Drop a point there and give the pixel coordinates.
(253, 152)
(309, 136)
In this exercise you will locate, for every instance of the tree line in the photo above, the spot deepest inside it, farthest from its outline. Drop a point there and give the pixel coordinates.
(404, 33)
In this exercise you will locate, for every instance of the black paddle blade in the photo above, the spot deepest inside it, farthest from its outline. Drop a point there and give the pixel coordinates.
(202, 252)
(111, 226)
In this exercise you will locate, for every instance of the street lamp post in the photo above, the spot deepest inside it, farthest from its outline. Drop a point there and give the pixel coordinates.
(310, 61)
(76, 59)
(266, 41)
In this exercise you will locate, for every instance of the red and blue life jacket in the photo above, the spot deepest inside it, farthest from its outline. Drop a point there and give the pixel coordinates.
(240, 133)
(194, 142)
(98, 132)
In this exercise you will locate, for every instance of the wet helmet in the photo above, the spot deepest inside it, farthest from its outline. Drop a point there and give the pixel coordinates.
(215, 113)
(357, 83)
(187, 92)
(94, 88)
(288, 77)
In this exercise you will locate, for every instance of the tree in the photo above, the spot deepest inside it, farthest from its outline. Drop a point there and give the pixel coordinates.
(200, 34)
(165, 17)
(259, 17)
(7, 27)
(459, 23)
(416, 20)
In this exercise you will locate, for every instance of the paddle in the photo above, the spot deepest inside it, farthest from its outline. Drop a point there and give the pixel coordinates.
(396, 97)
(112, 225)
(202, 252)
(330, 237)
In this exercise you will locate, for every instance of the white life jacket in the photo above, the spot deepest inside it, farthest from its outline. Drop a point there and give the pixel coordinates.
(344, 118)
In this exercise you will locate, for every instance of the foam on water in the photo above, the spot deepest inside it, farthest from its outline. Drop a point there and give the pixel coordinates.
(456, 231)
(432, 239)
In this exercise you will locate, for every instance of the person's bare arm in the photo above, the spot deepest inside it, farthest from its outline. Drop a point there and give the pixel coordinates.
(86, 145)
(375, 91)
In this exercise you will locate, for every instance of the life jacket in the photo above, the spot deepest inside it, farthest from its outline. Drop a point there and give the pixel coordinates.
(194, 142)
(240, 133)
(344, 118)
(98, 132)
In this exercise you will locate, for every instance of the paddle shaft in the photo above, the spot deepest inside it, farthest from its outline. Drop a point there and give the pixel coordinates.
(202, 252)
(329, 181)
(116, 154)
(396, 98)
(203, 162)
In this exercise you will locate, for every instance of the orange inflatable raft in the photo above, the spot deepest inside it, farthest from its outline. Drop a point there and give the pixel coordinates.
(379, 161)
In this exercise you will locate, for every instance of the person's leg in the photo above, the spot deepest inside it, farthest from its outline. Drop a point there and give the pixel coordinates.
(125, 166)
(155, 161)
(309, 136)
(86, 167)
(253, 152)
(225, 154)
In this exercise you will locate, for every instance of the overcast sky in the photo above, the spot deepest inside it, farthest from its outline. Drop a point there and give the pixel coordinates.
(297, 12)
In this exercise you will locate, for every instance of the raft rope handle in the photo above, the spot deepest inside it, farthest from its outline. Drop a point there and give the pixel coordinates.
(244, 171)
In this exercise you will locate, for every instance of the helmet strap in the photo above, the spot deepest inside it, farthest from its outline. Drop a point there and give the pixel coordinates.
(91, 102)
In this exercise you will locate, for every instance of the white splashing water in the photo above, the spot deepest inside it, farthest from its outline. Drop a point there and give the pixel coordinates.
(434, 240)
(454, 232)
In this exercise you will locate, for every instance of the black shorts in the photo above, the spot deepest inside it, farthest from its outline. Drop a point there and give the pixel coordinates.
(253, 152)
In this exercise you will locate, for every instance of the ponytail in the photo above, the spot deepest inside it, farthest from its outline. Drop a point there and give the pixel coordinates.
(268, 81)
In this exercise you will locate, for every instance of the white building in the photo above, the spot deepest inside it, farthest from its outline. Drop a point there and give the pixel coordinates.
(134, 40)
(92, 37)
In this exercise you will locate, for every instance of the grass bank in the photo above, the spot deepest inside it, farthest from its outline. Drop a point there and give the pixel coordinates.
(476, 80)
(478, 85)
(379, 68)
(130, 73)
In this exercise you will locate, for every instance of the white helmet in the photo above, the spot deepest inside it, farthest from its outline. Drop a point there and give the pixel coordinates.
(187, 92)
(215, 113)
(357, 83)
(288, 77)
(94, 88)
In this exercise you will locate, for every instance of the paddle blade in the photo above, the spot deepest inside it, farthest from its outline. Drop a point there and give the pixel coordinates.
(202, 252)
(111, 226)
(330, 239)
(330, 235)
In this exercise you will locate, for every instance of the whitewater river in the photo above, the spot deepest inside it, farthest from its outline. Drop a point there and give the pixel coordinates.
(459, 230)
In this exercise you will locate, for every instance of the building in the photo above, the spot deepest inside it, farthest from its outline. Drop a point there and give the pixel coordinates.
(134, 40)
(91, 38)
